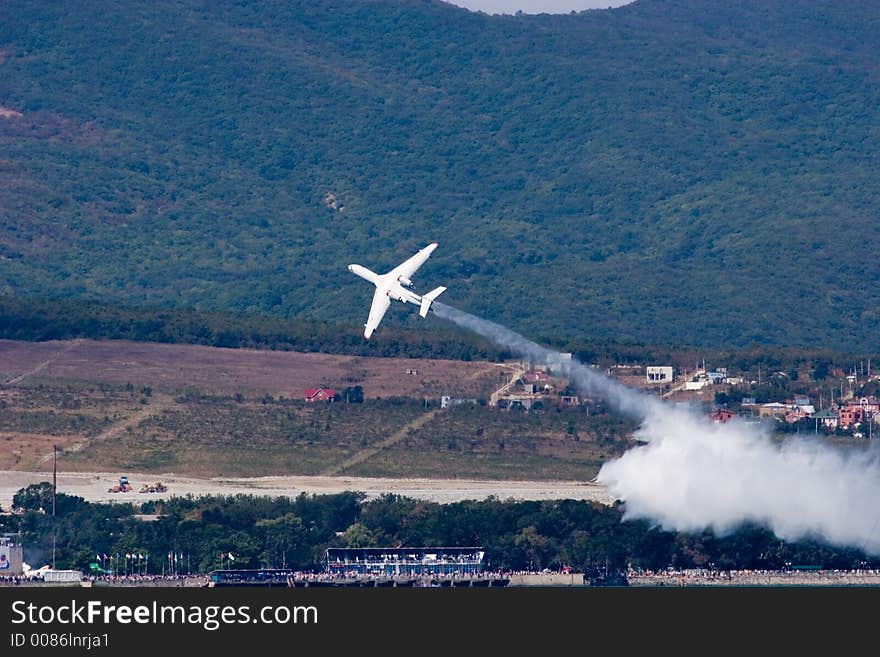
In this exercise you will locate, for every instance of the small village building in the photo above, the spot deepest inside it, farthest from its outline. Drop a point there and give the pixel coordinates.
(796, 413)
(698, 382)
(320, 394)
(659, 374)
(517, 401)
(826, 418)
(774, 409)
(535, 377)
(870, 405)
(849, 415)
(447, 400)
(721, 415)
(856, 411)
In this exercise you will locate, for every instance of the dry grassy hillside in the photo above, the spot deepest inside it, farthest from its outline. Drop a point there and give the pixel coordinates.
(173, 367)
(119, 406)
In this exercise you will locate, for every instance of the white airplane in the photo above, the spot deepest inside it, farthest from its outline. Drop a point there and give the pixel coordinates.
(393, 285)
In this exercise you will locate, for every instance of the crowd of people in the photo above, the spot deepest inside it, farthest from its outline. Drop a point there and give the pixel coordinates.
(37, 577)
(16, 580)
(635, 577)
(149, 580)
(783, 577)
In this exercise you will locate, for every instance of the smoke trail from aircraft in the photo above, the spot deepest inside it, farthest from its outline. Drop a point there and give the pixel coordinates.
(586, 379)
(691, 474)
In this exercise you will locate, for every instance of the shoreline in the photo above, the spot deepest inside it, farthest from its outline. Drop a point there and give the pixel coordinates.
(676, 579)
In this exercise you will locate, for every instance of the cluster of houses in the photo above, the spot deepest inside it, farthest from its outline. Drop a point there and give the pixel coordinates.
(851, 413)
(535, 385)
(666, 374)
(532, 386)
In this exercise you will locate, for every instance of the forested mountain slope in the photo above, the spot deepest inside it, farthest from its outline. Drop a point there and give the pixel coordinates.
(701, 172)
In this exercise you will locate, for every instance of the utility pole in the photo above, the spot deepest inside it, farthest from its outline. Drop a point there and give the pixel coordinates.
(54, 489)
(54, 476)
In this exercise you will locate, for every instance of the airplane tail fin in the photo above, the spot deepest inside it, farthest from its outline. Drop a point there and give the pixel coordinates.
(428, 299)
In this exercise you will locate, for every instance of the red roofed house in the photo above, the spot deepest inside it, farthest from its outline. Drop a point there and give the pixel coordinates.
(535, 376)
(858, 410)
(320, 394)
(721, 415)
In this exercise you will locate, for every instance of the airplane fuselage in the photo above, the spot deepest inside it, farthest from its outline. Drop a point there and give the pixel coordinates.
(398, 292)
(395, 286)
(389, 285)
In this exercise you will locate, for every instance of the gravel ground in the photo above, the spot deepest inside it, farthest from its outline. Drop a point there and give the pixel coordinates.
(93, 486)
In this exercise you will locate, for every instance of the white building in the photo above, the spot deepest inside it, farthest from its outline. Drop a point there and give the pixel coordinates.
(659, 374)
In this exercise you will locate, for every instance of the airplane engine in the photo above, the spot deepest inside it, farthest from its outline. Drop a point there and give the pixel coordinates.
(404, 281)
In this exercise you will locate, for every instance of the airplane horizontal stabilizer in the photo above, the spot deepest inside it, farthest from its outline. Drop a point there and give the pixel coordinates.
(428, 299)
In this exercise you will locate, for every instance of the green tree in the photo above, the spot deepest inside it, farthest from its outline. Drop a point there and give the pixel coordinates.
(358, 535)
(354, 394)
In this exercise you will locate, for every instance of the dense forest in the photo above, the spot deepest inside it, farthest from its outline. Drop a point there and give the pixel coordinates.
(263, 532)
(37, 319)
(58, 319)
(673, 171)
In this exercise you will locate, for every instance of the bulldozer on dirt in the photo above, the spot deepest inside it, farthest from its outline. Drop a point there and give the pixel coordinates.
(158, 487)
(122, 487)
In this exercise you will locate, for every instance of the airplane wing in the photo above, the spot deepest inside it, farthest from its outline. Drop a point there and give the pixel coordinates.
(377, 311)
(409, 267)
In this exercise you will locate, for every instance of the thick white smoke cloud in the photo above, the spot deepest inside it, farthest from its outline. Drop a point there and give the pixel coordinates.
(691, 474)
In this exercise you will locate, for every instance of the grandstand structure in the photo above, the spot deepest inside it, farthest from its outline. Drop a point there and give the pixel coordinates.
(405, 561)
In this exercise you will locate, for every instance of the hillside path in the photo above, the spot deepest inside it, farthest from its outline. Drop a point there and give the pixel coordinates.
(503, 390)
(371, 451)
(157, 406)
(39, 368)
